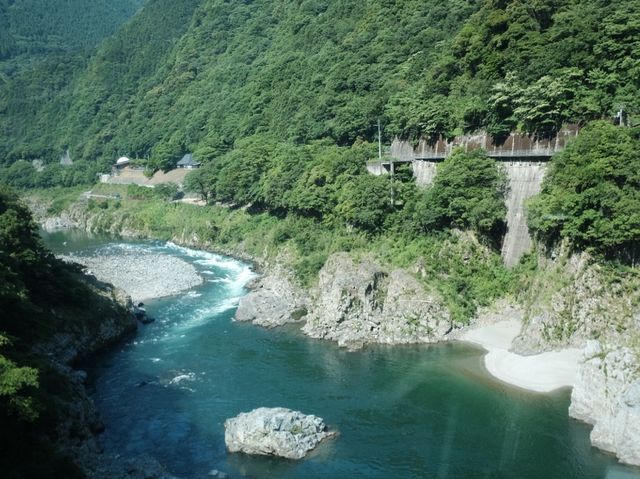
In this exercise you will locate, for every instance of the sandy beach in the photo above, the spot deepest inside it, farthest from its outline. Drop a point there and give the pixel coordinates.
(143, 275)
(542, 373)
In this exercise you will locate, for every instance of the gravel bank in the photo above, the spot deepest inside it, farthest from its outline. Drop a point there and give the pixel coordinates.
(142, 275)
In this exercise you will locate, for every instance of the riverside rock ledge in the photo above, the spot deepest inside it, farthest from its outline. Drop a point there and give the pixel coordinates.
(275, 432)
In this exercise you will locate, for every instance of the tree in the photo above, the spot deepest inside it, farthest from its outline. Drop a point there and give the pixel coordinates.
(201, 181)
(15, 383)
(365, 202)
(591, 194)
(467, 193)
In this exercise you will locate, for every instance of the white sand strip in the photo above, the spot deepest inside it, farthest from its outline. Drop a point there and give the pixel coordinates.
(540, 373)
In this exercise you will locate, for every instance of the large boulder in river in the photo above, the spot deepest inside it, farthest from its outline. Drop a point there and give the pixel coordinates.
(274, 432)
(358, 302)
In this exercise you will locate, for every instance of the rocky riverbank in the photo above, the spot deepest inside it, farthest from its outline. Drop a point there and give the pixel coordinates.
(143, 275)
(607, 395)
(572, 301)
(569, 300)
(275, 299)
(355, 303)
(77, 423)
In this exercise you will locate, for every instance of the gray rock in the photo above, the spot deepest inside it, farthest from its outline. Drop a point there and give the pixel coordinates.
(573, 299)
(356, 303)
(607, 395)
(275, 432)
(57, 223)
(274, 300)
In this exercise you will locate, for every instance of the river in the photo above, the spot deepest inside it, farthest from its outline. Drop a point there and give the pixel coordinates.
(402, 412)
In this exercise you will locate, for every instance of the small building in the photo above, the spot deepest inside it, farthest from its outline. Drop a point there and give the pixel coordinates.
(122, 162)
(188, 162)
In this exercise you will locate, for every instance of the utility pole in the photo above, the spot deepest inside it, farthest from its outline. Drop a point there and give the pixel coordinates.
(379, 141)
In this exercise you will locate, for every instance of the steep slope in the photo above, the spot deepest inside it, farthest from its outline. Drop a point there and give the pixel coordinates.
(31, 28)
(201, 74)
(35, 102)
(51, 315)
(301, 70)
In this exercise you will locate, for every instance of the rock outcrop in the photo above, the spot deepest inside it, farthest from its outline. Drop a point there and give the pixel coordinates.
(356, 303)
(57, 223)
(109, 320)
(274, 300)
(573, 299)
(607, 395)
(275, 432)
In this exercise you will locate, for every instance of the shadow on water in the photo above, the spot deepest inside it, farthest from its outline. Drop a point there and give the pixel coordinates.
(402, 412)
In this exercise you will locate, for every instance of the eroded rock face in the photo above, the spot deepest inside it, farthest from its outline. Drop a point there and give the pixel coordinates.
(275, 432)
(573, 300)
(274, 300)
(109, 321)
(360, 302)
(607, 395)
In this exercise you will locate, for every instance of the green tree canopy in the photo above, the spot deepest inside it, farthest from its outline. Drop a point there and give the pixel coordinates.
(591, 194)
(467, 193)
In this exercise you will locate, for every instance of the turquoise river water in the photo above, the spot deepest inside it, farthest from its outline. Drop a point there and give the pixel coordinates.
(402, 412)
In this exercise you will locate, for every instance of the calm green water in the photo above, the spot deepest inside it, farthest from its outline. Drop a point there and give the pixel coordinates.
(402, 412)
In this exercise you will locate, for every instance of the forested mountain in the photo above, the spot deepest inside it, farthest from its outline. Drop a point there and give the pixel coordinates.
(201, 74)
(34, 27)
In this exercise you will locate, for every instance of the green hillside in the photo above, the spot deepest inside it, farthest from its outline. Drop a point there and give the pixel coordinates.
(36, 27)
(202, 74)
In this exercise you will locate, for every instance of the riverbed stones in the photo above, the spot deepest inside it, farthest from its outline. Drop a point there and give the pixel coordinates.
(275, 432)
(143, 275)
(358, 302)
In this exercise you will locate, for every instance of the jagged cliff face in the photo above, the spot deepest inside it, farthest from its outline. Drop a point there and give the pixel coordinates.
(108, 321)
(78, 420)
(359, 302)
(356, 302)
(607, 395)
(572, 299)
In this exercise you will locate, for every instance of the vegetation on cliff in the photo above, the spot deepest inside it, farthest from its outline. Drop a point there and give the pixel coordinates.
(280, 102)
(591, 195)
(40, 297)
(30, 28)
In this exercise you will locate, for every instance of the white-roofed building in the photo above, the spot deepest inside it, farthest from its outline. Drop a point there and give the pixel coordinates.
(122, 162)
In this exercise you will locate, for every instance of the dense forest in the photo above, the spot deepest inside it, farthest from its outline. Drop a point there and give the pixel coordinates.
(33, 28)
(281, 101)
(200, 75)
